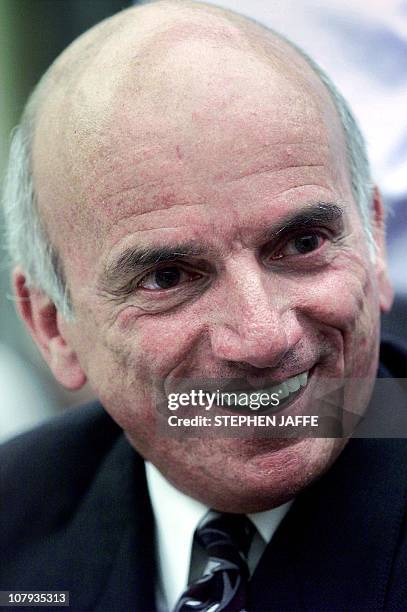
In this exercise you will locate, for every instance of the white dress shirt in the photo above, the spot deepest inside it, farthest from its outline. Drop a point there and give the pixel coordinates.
(176, 518)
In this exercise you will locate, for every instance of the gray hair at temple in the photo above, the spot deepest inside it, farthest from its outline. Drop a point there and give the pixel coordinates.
(26, 237)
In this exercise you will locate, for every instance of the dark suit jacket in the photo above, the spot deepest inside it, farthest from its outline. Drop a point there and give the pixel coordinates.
(75, 515)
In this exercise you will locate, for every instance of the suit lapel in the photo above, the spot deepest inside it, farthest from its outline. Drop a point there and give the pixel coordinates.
(335, 547)
(113, 561)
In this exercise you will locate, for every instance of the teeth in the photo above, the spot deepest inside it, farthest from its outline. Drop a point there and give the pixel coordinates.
(293, 384)
(303, 378)
(283, 390)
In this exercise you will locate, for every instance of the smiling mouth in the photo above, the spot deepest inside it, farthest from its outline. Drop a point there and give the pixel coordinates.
(284, 393)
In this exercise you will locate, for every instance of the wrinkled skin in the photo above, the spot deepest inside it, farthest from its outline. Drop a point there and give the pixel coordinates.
(199, 136)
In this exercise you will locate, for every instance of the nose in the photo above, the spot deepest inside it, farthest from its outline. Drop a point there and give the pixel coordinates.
(251, 325)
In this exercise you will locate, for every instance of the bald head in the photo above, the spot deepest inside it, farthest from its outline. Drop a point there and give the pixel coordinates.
(139, 59)
(140, 37)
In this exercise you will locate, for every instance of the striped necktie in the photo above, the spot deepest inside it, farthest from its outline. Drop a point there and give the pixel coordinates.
(226, 539)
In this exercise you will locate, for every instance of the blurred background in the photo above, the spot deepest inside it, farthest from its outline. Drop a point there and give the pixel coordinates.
(363, 47)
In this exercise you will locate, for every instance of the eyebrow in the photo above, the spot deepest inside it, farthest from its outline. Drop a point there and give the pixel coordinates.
(135, 260)
(318, 213)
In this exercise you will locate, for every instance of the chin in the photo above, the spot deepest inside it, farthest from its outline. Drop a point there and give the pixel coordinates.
(277, 477)
(246, 477)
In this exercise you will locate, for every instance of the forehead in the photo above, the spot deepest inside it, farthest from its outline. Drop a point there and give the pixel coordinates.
(202, 127)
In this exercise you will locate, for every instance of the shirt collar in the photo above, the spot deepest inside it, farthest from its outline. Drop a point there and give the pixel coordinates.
(267, 522)
(176, 518)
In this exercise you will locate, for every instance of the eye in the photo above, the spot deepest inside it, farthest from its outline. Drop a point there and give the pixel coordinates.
(301, 245)
(167, 278)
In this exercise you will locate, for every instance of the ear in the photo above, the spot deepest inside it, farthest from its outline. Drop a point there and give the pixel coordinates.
(386, 293)
(43, 321)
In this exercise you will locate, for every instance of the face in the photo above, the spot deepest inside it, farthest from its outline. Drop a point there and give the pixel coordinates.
(220, 240)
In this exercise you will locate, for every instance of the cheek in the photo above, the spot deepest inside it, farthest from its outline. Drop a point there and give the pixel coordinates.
(136, 362)
(130, 362)
(344, 297)
(344, 303)
(158, 344)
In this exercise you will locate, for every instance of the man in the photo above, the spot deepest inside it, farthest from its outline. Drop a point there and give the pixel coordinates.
(202, 211)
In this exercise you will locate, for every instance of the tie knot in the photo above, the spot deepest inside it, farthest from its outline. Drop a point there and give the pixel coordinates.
(226, 532)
